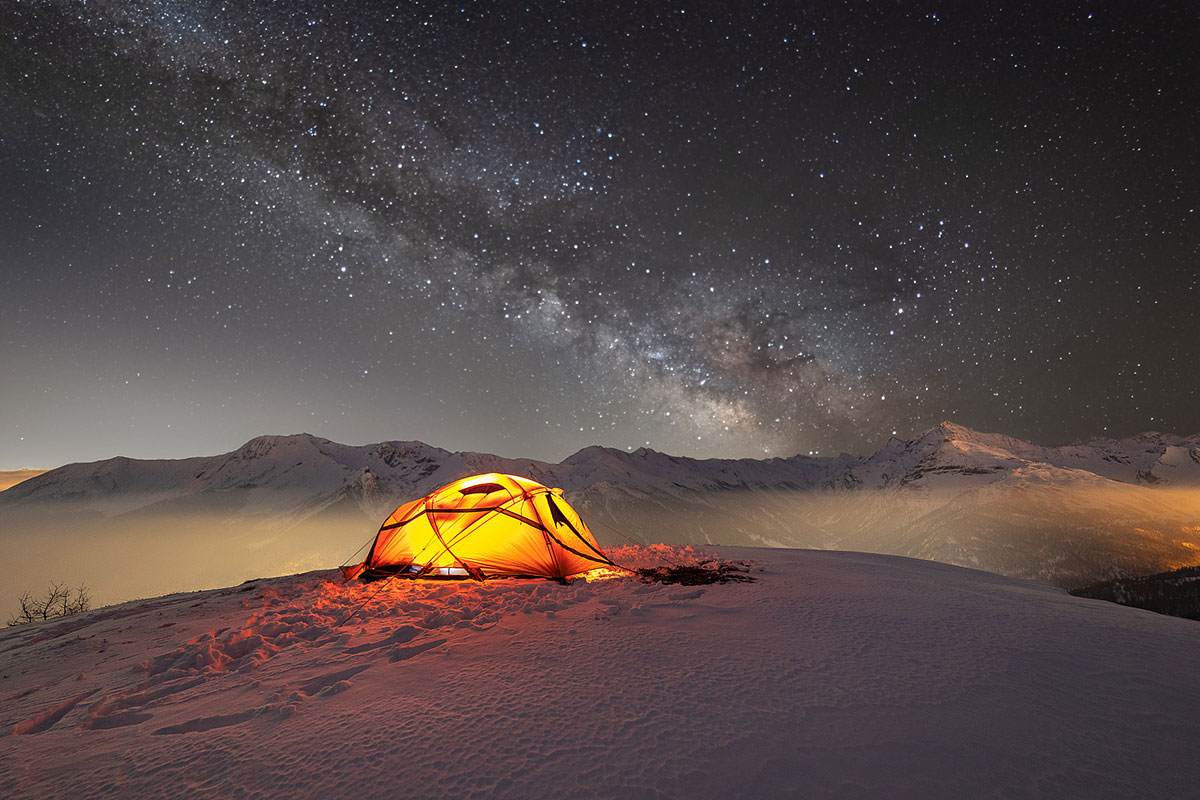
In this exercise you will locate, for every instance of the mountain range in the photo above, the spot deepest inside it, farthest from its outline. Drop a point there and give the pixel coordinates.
(1070, 515)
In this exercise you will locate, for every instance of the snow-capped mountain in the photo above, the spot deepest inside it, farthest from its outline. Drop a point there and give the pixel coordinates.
(949, 452)
(1069, 515)
(279, 470)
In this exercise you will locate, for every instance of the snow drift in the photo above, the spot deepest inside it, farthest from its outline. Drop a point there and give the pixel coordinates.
(832, 675)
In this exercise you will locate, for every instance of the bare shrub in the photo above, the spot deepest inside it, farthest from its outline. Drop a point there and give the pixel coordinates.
(57, 601)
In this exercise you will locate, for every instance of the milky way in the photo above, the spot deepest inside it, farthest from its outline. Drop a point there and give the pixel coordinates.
(714, 229)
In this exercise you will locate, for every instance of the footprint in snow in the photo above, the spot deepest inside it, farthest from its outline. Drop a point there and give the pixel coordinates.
(48, 719)
(123, 710)
(209, 723)
(322, 683)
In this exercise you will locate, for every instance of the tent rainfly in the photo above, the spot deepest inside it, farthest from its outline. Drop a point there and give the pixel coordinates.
(484, 526)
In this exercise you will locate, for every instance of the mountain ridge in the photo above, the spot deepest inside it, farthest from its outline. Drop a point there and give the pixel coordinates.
(1078, 513)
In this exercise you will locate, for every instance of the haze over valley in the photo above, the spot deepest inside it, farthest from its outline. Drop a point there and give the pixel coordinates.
(1069, 516)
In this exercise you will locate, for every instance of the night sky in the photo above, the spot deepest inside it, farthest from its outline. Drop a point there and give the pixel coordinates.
(714, 229)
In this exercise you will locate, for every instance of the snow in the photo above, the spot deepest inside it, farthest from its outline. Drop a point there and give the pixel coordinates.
(834, 674)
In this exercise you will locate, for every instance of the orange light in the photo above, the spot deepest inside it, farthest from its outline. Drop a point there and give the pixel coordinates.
(603, 574)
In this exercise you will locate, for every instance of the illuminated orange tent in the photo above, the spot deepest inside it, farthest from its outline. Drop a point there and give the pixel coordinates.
(485, 526)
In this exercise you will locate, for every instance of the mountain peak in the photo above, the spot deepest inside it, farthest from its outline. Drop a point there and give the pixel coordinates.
(276, 438)
(947, 430)
(953, 429)
(596, 451)
(261, 446)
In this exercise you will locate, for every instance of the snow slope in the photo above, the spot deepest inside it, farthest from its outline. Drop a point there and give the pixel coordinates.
(833, 675)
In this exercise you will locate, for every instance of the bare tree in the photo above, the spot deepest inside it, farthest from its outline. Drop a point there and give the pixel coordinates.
(58, 601)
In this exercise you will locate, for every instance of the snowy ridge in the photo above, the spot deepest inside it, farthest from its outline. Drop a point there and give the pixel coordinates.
(837, 675)
(302, 463)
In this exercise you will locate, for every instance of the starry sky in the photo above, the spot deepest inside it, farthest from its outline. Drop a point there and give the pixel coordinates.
(713, 229)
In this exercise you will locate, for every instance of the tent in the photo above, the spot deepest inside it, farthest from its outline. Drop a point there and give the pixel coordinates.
(485, 526)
